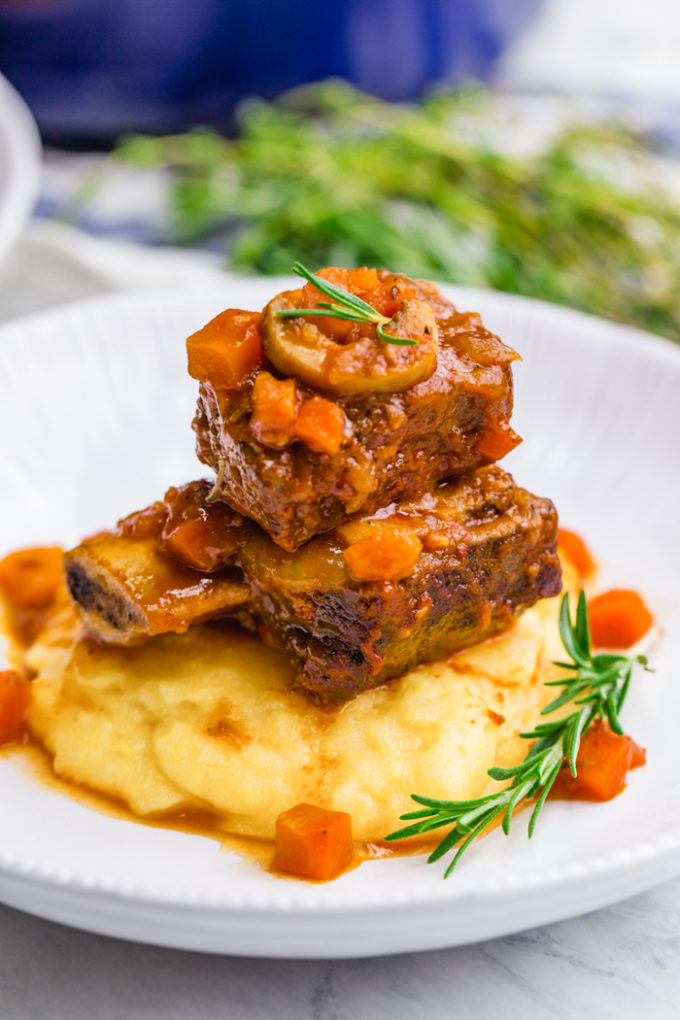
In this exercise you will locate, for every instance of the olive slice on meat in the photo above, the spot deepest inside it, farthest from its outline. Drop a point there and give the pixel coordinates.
(297, 347)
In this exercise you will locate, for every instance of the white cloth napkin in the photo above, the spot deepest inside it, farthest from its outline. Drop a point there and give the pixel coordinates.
(55, 263)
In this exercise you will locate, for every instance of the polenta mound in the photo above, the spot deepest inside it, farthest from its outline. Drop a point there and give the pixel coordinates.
(208, 721)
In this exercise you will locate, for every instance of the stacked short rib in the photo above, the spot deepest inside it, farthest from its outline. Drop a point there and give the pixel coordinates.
(280, 518)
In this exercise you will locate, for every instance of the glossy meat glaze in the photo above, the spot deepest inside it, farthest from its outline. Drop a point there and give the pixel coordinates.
(396, 443)
(488, 551)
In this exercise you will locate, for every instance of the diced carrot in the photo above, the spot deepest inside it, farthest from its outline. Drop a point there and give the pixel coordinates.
(227, 350)
(30, 578)
(577, 551)
(313, 843)
(200, 532)
(603, 762)
(361, 282)
(386, 555)
(274, 410)
(618, 618)
(496, 440)
(15, 694)
(320, 424)
(192, 542)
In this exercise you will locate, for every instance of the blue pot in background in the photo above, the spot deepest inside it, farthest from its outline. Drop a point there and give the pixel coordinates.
(94, 69)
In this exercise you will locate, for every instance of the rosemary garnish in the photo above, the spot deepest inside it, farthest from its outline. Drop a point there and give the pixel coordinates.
(597, 688)
(343, 306)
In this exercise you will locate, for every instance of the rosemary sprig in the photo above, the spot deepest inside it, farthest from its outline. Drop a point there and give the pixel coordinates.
(343, 306)
(332, 176)
(597, 688)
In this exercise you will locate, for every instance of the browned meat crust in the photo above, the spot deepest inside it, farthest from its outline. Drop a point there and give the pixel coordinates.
(489, 552)
(349, 636)
(397, 444)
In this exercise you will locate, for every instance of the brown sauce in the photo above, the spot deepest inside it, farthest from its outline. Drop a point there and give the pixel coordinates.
(36, 763)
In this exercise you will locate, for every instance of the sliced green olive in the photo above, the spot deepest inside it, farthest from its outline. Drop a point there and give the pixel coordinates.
(297, 347)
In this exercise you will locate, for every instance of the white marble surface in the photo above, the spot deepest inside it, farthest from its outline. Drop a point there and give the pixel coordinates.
(622, 962)
(617, 963)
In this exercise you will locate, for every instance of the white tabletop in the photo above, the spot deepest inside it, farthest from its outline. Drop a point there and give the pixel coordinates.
(619, 962)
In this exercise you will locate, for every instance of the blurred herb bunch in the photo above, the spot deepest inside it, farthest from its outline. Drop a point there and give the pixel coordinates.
(331, 176)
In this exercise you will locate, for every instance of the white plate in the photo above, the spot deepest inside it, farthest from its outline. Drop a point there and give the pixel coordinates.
(19, 165)
(95, 407)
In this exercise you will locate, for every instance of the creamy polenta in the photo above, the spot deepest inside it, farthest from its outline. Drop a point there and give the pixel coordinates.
(208, 720)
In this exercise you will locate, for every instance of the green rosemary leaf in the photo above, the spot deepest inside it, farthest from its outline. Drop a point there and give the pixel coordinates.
(344, 305)
(425, 813)
(599, 679)
(552, 758)
(332, 307)
(466, 843)
(582, 630)
(542, 797)
(603, 660)
(612, 714)
(564, 698)
(628, 672)
(519, 794)
(296, 312)
(543, 729)
(563, 665)
(468, 819)
(343, 297)
(501, 774)
(568, 636)
(438, 821)
(398, 341)
(542, 745)
(429, 801)
(597, 690)
(408, 830)
(452, 804)
(446, 844)
(581, 722)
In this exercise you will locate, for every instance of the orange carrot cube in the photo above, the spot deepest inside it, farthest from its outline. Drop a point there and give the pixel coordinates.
(30, 578)
(227, 350)
(576, 551)
(496, 440)
(603, 762)
(313, 842)
(320, 424)
(274, 410)
(618, 618)
(192, 542)
(389, 553)
(361, 282)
